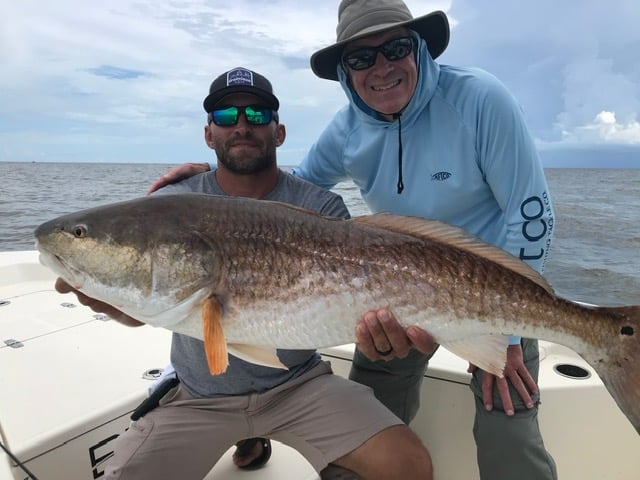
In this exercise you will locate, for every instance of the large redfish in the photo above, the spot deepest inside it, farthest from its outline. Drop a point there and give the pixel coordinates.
(252, 275)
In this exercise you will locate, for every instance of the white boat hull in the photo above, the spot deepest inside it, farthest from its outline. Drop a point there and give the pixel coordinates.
(70, 381)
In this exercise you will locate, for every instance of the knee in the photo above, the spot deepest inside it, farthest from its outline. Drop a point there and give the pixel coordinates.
(421, 466)
(410, 460)
(396, 452)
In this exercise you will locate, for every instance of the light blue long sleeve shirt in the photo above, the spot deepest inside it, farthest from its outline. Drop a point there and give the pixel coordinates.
(467, 155)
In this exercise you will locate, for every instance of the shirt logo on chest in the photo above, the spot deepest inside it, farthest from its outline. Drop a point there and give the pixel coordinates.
(440, 176)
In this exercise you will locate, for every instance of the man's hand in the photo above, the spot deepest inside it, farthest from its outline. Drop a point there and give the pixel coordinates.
(515, 372)
(178, 173)
(379, 336)
(96, 305)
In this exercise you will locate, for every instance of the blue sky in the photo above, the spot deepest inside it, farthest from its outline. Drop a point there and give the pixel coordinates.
(123, 81)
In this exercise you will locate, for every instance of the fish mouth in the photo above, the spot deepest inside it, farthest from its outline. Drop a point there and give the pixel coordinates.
(61, 268)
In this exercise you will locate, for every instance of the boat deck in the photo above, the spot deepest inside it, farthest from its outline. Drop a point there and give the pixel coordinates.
(70, 379)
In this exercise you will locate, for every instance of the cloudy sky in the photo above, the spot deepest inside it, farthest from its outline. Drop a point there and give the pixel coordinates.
(124, 80)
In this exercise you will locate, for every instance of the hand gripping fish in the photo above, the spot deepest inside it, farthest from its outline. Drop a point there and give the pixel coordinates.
(250, 276)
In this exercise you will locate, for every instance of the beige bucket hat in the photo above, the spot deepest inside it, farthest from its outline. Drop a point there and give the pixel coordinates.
(359, 18)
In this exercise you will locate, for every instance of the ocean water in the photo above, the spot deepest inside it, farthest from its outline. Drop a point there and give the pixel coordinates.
(594, 256)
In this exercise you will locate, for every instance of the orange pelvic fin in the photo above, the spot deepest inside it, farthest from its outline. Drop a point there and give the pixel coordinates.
(215, 345)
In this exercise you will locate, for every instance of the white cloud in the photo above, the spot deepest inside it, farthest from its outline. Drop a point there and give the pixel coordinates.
(596, 91)
(56, 92)
(564, 61)
(605, 128)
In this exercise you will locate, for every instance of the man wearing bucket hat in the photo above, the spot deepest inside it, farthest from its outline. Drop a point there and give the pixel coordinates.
(449, 143)
(469, 161)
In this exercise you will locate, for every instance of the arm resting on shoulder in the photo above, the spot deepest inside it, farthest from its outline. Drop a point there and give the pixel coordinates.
(178, 173)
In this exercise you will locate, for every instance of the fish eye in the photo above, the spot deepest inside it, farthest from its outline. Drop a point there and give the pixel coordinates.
(79, 231)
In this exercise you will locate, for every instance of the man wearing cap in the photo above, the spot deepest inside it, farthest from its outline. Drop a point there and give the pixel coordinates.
(181, 433)
(449, 143)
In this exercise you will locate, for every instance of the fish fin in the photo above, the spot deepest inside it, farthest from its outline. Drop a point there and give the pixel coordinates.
(215, 345)
(434, 230)
(488, 353)
(265, 356)
(304, 210)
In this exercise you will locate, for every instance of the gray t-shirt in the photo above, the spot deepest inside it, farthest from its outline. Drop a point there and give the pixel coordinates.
(187, 353)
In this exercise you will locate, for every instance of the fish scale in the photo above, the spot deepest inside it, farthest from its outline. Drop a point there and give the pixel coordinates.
(252, 276)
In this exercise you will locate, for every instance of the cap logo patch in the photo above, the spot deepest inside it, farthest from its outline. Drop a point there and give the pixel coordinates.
(239, 76)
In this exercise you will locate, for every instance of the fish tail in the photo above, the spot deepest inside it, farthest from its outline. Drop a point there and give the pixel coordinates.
(215, 345)
(619, 370)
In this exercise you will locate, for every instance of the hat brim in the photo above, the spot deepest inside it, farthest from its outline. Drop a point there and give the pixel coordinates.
(213, 99)
(433, 27)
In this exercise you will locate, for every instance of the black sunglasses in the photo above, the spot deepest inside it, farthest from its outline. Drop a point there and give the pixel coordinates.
(255, 115)
(365, 57)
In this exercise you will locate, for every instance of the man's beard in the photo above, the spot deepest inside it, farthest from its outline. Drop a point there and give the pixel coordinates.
(248, 164)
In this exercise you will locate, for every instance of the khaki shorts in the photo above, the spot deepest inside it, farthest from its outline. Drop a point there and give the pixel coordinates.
(321, 415)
